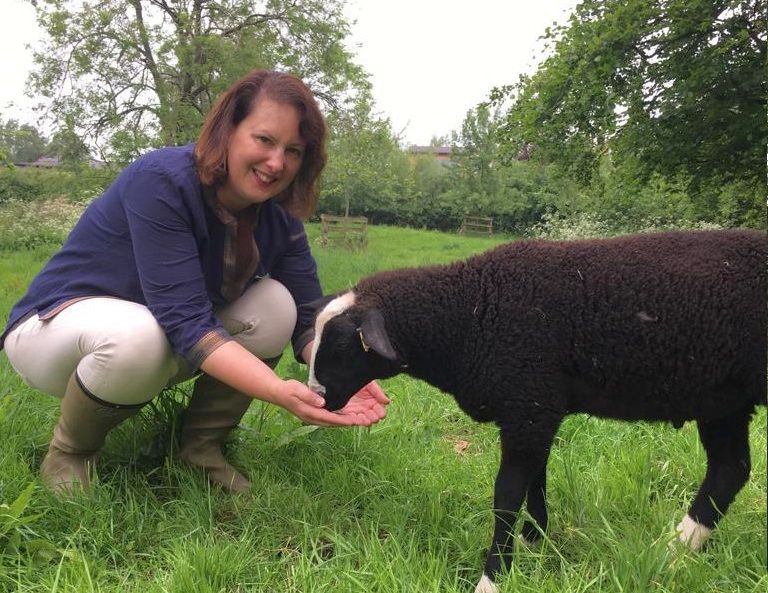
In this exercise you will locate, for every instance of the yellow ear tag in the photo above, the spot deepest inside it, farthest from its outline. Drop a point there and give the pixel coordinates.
(366, 347)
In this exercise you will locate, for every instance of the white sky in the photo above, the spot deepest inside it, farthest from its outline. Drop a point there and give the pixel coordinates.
(430, 61)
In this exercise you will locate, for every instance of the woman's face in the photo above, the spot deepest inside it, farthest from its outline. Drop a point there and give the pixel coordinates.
(264, 155)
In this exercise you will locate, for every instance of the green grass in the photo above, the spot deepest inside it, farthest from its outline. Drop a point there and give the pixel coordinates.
(402, 507)
(391, 247)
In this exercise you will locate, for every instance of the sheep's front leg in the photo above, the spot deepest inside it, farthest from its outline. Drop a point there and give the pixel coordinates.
(520, 469)
(536, 505)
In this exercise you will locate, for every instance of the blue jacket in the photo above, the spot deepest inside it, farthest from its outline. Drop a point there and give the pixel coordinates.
(153, 238)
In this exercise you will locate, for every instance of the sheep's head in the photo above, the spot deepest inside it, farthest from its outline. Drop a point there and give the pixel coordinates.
(351, 349)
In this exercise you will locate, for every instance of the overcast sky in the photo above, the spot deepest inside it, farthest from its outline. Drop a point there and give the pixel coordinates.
(430, 61)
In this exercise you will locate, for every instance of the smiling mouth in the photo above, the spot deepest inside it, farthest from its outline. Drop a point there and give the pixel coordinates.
(264, 178)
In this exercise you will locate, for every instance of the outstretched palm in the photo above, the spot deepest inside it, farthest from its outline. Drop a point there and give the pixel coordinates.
(368, 403)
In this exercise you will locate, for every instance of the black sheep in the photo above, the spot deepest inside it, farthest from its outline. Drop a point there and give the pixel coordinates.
(656, 327)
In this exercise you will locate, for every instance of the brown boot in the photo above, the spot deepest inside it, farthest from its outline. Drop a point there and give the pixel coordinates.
(214, 410)
(78, 436)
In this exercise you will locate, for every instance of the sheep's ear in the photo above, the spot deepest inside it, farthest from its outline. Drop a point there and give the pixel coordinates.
(374, 336)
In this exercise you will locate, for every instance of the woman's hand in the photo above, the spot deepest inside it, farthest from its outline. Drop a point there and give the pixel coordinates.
(366, 407)
(307, 406)
(235, 366)
(367, 403)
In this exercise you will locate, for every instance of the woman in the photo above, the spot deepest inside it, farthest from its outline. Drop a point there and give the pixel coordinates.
(193, 261)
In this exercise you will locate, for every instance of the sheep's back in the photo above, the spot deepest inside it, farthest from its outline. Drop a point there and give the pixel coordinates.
(653, 326)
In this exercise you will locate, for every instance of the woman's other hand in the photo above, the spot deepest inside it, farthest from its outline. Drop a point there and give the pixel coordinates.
(366, 407)
(369, 403)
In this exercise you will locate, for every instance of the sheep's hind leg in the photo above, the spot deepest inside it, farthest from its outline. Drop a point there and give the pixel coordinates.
(726, 442)
(520, 469)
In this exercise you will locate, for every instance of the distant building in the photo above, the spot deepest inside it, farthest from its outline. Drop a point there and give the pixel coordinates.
(441, 153)
(44, 162)
(50, 162)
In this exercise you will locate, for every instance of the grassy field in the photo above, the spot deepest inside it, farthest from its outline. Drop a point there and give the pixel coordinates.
(402, 507)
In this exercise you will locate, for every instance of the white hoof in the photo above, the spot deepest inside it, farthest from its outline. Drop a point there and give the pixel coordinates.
(530, 545)
(692, 534)
(486, 585)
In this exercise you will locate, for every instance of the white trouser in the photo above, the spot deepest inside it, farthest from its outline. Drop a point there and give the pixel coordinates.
(120, 352)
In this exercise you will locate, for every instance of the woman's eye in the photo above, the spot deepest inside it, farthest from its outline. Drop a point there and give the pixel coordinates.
(297, 152)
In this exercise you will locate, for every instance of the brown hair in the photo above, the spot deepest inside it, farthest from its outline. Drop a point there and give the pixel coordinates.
(300, 197)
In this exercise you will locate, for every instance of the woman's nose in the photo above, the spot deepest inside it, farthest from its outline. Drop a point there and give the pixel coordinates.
(276, 160)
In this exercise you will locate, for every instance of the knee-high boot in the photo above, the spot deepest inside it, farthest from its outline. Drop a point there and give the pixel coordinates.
(78, 437)
(214, 410)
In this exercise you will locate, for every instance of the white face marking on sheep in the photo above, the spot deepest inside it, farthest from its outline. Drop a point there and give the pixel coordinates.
(692, 534)
(336, 307)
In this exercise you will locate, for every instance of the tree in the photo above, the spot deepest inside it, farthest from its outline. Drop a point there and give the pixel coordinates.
(367, 171)
(21, 142)
(70, 149)
(476, 151)
(675, 88)
(145, 72)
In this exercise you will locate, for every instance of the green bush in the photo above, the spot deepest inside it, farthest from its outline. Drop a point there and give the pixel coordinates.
(39, 206)
(14, 187)
(29, 184)
(586, 225)
(25, 225)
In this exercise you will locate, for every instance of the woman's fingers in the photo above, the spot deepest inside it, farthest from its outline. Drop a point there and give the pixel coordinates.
(377, 392)
(372, 415)
(323, 417)
(305, 394)
(363, 410)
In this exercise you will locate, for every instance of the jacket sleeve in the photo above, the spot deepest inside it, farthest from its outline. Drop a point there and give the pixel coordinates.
(297, 270)
(162, 228)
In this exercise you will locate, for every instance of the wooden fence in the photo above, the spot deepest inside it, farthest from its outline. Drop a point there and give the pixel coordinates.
(350, 232)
